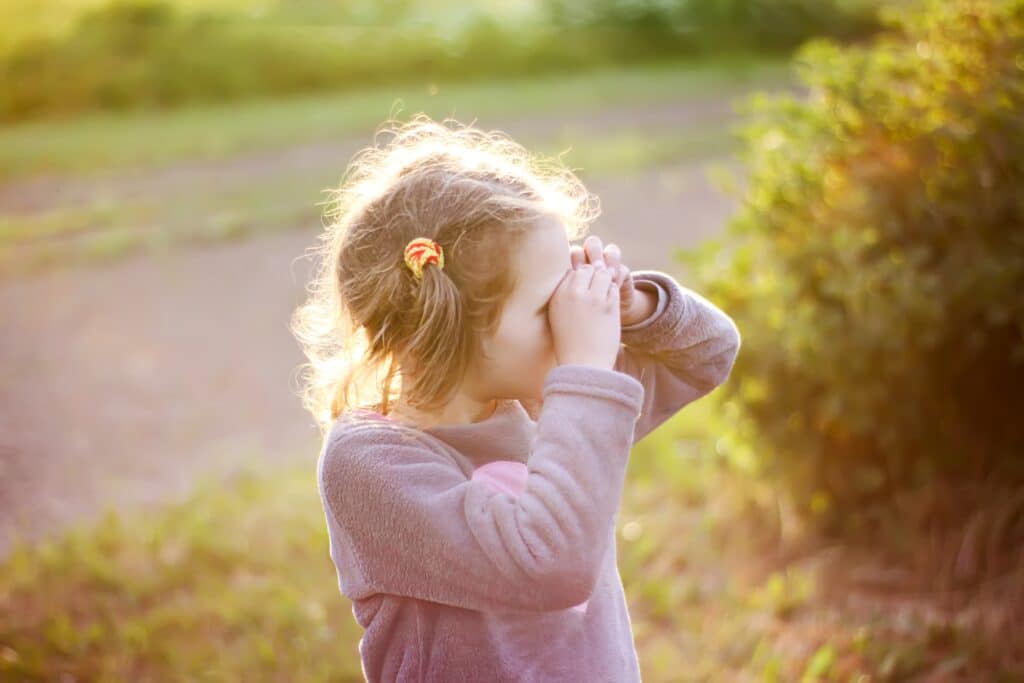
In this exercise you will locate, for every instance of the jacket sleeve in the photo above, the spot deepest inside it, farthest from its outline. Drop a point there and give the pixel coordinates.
(412, 523)
(683, 351)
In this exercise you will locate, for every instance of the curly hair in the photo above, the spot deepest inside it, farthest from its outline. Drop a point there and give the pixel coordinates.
(367, 321)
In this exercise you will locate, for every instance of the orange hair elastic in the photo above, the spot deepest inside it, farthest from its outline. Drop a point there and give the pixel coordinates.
(421, 251)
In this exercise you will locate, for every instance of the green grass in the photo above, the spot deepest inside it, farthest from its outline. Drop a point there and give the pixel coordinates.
(202, 591)
(108, 229)
(236, 584)
(103, 142)
(99, 157)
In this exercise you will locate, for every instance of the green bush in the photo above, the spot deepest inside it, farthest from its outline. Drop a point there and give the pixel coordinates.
(876, 265)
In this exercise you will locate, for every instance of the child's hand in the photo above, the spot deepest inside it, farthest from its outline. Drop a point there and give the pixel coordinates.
(634, 306)
(583, 314)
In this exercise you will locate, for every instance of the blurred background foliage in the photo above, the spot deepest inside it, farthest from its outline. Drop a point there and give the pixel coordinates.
(876, 268)
(121, 54)
(644, 28)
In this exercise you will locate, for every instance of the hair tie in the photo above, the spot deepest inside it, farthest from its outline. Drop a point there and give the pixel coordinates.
(421, 251)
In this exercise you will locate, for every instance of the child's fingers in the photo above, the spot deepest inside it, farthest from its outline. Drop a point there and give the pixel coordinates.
(612, 255)
(620, 274)
(614, 292)
(582, 277)
(576, 256)
(602, 281)
(594, 250)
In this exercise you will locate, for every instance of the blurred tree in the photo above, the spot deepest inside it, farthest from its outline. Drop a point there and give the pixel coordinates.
(718, 25)
(359, 12)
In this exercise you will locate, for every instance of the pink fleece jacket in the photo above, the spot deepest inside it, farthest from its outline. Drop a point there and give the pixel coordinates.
(486, 551)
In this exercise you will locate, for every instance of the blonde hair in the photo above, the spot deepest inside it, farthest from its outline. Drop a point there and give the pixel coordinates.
(367, 321)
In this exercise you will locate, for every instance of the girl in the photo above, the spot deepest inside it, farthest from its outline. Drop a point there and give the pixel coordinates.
(471, 512)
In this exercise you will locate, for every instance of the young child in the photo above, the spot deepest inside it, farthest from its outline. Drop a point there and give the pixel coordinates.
(471, 513)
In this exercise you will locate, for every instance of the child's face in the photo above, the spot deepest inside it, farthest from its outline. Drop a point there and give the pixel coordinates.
(520, 353)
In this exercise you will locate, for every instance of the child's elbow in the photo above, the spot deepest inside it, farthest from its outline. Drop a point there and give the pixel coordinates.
(731, 343)
(733, 337)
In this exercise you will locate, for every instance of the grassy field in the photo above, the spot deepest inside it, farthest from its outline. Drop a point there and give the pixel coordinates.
(236, 584)
(222, 180)
(107, 228)
(100, 143)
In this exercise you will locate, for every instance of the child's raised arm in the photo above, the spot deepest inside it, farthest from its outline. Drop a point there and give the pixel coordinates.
(679, 354)
(414, 524)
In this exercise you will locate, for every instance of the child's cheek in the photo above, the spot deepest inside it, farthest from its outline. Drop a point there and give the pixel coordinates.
(509, 476)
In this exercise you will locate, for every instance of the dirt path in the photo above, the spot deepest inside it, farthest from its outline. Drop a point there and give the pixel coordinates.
(121, 386)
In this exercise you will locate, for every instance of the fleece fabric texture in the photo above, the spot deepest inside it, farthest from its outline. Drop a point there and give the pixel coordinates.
(486, 551)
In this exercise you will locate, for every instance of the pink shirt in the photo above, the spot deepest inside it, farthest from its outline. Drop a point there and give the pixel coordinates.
(486, 551)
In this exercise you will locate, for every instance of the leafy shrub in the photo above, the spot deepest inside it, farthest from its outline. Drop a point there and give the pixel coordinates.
(876, 266)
